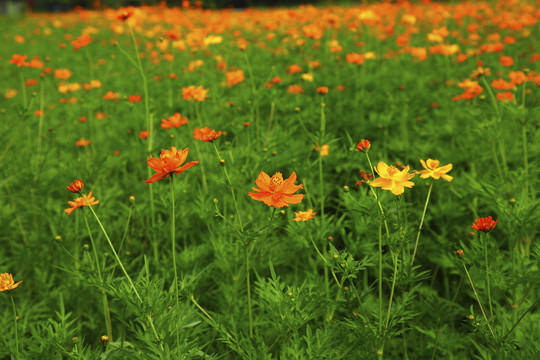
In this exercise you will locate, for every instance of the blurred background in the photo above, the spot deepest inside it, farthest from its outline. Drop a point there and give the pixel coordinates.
(16, 7)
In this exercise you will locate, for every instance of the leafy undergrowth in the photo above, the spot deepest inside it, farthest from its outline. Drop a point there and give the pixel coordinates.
(313, 177)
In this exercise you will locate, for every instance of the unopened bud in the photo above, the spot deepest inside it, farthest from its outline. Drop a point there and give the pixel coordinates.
(460, 253)
(58, 238)
(104, 339)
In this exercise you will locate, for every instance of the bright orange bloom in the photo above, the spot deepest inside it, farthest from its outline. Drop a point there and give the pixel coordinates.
(173, 121)
(81, 41)
(7, 283)
(517, 77)
(276, 192)
(304, 215)
(206, 134)
(143, 134)
(234, 77)
(83, 142)
(62, 74)
(505, 96)
(484, 224)
(19, 60)
(30, 82)
(81, 201)
(501, 84)
(433, 170)
(76, 186)
(322, 90)
(363, 145)
(124, 15)
(193, 93)
(293, 69)
(134, 98)
(506, 61)
(392, 179)
(169, 163)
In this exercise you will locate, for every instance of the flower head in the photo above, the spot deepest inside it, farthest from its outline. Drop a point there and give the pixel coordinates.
(304, 215)
(206, 134)
(124, 15)
(7, 283)
(175, 120)
(392, 179)
(76, 186)
(276, 192)
(234, 77)
(193, 93)
(169, 162)
(81, 41)
(363, 145)
(485, 224)
(19, 60)
(433, 170)
(81, 201)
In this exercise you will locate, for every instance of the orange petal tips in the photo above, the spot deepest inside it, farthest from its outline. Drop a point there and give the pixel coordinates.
(276, 192)
(169, 163)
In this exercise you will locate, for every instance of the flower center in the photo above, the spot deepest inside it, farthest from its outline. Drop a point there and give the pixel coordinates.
(276, 180)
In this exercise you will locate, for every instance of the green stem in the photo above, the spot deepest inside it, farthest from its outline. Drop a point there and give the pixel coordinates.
(40, 126)
(106, 311)
(478, 299)
(23, 90)
(270, 120)
(324, 259)
(496, 159)
(173, 249)
(525, 157)
(90, 65)
(395, 260)
(248, 285)
(16, 325)
(380, 277)
(487, 274)
(230, 187)
(421, 223)
(376, 197)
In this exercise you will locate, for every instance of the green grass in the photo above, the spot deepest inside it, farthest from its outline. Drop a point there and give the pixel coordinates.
(339, 286)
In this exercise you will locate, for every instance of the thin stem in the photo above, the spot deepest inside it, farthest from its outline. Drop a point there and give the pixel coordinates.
(322, 257)
(270, 120)
(376, 197)
(380, 278)
(23, 90)
(40, 126)
(478, 299)
(98, 267)
(321, 185)
(248, 285)
(395, 260)
(421, 223)
(173, 249)
(16, 325)
(230, 187)
(487, 274)
(525, 157)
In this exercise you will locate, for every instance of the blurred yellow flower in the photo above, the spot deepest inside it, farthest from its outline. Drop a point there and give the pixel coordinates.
(7, 283)
(433, 170)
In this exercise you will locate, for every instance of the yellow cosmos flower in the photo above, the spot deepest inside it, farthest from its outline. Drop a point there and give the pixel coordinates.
(7, 283)
(392, 179)
(304, 215)
(433, 170)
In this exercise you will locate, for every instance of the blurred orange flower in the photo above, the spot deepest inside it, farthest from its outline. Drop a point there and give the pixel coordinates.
(392, 179)
(206, 134)
(143, 134)
(485, 224)
(81, 201)
(175, 120)
(7, 283)
(169, 163)
(234, 77)
(134, 98)
(193, 93)
(81, 41)
(276, 192)
(83, 142)
(19, 60)
(295, 89)
(62, 74)
(506, 60)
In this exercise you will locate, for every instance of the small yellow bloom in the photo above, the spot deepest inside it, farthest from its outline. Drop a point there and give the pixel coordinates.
(392, 179)
(324, 150)
(7, 283)
(433, 170)
(304, 215)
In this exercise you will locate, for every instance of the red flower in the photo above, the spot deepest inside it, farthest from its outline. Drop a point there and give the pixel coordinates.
(134, 98)
(76, 186)
(173, 121)
(169, 162)
(206, 134)
(363, 145)
(124, 15)
(485, 224)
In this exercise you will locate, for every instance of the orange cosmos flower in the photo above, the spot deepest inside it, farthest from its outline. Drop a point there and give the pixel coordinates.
(392, 179)
(293, 69)
(505, 96)
(206, 134)
(83, 142)
(322, 90)
(124, 15)
(19, 60)
(276, 192)
(485, 224)
(7, 283)
(304, 215)
(169, 163)
(143, 134)
(517, 77)
(81, 41)
(193, 93)
(355, 58)
(62, 74)
(110, 95)
(363, 146)
(173, 121)
(76, 186)
(506, 60)
(433, 170)
(81, 201)
(295, 89)
(234, 77)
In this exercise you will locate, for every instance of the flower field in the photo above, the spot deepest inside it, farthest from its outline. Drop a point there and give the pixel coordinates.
(338, 182)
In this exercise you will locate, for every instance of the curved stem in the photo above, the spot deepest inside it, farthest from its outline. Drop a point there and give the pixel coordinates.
(478, 299)
(173, 249)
